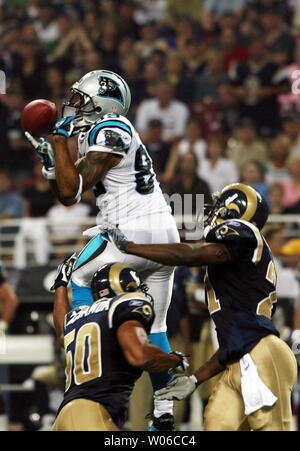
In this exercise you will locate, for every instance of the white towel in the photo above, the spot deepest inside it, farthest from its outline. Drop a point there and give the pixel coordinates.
(255, 393)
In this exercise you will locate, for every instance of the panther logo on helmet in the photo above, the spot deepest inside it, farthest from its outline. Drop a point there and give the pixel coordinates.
(96, 94)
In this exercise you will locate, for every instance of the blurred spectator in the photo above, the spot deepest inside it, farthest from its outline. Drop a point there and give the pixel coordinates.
(246, 145)
(9, 301)
(73, 46)
(11, 203)
(108, 44)
(188, 182)
(148, 41)
(46, 25)
(19, 155)
(183, 85)
(292, 186)
(173, 113)
(253, 174)
(279, 41)
(11, 207)
(275, 195)
(212, 77)
(151, 76)
(132, 73)
(38, 196)
(257, 84)
(127, 24)
(290, 101)
(91, 26)
(150, 10)
(183, 30)
(158, 149)
(193, 57)
(9, 304)
(30, 68)
(290, 252)
(38, 199)
(66, 224)
(192, 142)
(219, 8)
(276, 168)
(232, 49)
(176, 8)
(217, 170)
(228, 109)
(54, 84)
(291, 129)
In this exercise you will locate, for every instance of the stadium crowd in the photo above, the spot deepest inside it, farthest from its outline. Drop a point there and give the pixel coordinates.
(215, 98)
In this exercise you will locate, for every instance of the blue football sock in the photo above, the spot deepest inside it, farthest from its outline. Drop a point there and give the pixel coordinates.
(160, 380)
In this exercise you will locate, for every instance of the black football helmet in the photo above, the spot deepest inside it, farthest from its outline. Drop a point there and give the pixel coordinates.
(113, 279)
(236, 201)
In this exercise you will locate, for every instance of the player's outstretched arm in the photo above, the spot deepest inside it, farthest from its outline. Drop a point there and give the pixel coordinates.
(181, 254)
(139, 352)
(72, 179)
(174, 254)
(61, 303)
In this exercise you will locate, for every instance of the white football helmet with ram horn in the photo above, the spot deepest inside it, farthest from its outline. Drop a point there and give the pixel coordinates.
(98, 93)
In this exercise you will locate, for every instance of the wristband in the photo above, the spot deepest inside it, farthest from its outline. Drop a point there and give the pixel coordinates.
(195, 380)
(49, 174)
(79, 192)
(3, 325)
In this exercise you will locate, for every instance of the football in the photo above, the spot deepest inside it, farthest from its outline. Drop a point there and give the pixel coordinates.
(39, 117)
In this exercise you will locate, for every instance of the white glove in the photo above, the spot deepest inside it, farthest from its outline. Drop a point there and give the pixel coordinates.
(3, 325)
(295, 341)
(46, 154)
(177, 389)
(116, 236)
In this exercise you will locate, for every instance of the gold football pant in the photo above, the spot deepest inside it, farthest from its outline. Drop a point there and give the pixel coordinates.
(277, 368)
(84, 415)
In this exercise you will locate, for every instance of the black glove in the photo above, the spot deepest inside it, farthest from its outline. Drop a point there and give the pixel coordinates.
(64, 272)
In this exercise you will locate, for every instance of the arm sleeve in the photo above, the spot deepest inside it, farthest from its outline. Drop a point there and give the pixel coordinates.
(243, 241)
(122, 310)
(111, 137)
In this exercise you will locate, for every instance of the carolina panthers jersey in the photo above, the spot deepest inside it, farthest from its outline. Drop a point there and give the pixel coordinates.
(241, 295)
(130, 189)
(96, 368)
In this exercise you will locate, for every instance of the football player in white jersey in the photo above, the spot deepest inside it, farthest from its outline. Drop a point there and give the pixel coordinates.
(115, 163)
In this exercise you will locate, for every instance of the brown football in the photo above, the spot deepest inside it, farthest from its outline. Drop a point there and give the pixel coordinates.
(39, 117)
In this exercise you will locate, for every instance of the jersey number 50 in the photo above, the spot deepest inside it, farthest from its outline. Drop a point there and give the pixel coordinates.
(84, 362)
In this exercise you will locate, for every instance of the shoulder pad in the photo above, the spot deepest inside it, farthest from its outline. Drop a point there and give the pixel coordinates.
(128, 307)
(239, 232)
(111, 134)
